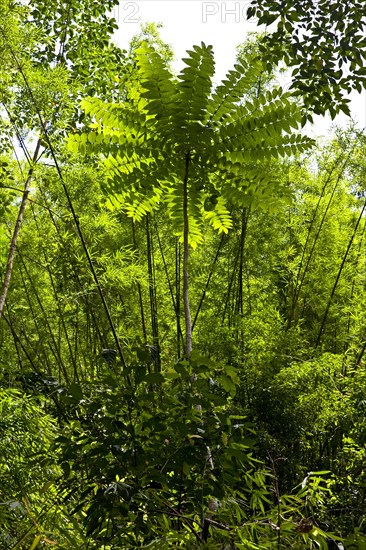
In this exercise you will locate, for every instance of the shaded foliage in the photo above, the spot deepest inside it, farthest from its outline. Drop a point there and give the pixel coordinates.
(324, 44)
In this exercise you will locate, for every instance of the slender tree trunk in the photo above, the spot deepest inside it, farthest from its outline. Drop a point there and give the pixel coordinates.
(152, 292)
(208, 281)
(177, 294)
(93, 325)
(176, 299)
(339, 275)
(18, 223)
(300, 277)
(73, 358)
(231, 277)
(358, 258)
(139, 288)
(187, 311)
(213, 504)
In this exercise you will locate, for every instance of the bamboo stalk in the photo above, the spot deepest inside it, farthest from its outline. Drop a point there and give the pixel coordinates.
(18, 223)
(339, 276)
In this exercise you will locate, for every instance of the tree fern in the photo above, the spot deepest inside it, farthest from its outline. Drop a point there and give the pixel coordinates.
(197, 148)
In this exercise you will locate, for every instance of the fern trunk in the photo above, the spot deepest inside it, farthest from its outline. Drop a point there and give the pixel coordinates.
(187, 311)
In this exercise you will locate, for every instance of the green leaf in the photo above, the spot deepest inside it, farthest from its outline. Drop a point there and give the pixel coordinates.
(154, 378)
(75, 391)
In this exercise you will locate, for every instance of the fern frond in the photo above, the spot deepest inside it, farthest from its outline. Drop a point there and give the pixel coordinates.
(143, 204)
(194, 88)
(135, 204)
(114, 126)
(157, 83)
(219, 217)
(265, 134)
(232, 90)
(174, 200)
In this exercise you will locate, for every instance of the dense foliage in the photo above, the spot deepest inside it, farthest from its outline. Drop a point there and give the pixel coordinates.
(323, 42)
(182, 331)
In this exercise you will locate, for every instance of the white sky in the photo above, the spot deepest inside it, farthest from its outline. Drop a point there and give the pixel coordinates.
(219, 23)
